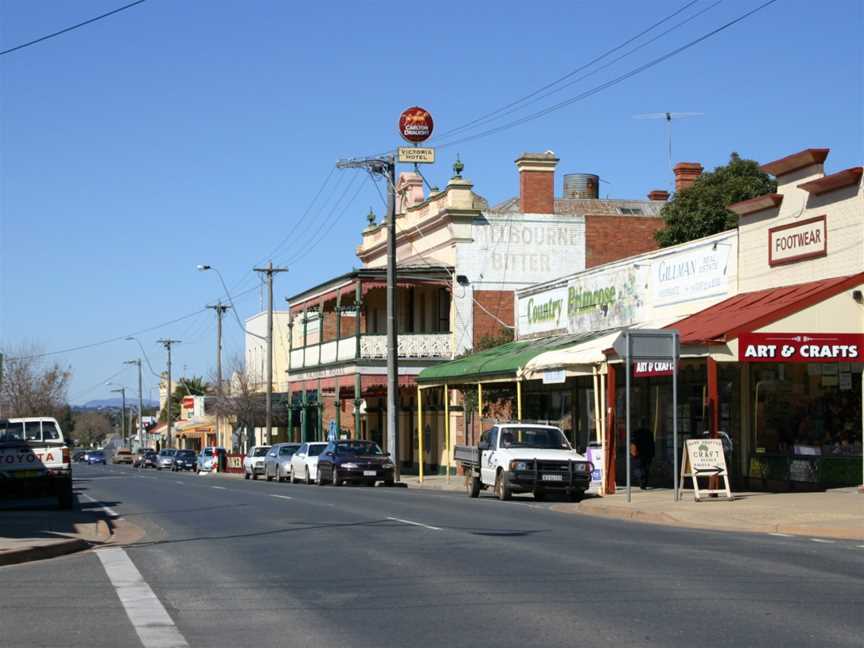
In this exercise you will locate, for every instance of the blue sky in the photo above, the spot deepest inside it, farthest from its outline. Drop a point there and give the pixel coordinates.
(176, 133)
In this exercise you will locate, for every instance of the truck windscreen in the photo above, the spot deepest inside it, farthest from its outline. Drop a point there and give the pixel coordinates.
(547, 438)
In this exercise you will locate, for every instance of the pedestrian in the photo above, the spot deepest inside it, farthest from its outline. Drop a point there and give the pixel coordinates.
(643, 442)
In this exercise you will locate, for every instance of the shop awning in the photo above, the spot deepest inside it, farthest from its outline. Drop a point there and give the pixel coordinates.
(503, 362)
(750, 311)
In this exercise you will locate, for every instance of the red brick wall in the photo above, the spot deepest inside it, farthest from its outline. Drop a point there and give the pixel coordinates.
(537, 192)
(329, 326)
(497, 302)
(609, 238)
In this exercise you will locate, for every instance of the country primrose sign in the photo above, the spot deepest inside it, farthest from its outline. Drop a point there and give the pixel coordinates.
(800, 241)
(801, 347)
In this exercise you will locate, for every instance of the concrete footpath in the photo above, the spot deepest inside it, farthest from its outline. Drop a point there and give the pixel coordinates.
(837, 513)
(37, 534)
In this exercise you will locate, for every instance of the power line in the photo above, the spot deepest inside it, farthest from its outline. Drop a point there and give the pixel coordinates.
(69, 29)
(610, 83)
(551, 84)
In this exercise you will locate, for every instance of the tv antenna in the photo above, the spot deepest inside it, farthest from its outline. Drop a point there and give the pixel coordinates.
(668, 116)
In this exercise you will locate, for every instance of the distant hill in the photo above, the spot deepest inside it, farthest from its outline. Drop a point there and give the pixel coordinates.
(115, 403)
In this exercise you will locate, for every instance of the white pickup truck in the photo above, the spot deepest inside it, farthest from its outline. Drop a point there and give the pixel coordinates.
(34, 460)
(524, 458)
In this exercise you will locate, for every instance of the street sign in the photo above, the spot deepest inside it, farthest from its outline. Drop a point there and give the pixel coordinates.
(416, 155)
(648, 344)
(415, 124)
(704, 458)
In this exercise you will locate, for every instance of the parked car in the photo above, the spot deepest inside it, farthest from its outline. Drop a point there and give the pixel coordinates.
(304, 462)
(277, 462)
(78, 457)
(166, 458)
(354, 461)
(149, 460)
(122, 456)
(184, 460)
(205, 458)
(35, 460)
(139, 456)
(95, 457)
(253, 462)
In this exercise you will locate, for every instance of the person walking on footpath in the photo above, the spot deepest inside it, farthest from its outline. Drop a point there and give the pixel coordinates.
(644, 442)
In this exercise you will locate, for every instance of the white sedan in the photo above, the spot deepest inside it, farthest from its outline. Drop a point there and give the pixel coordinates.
(304, 463)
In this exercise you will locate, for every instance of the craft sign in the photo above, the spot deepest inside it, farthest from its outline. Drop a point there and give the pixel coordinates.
(801, 347)
(706, 457)
(651, 368)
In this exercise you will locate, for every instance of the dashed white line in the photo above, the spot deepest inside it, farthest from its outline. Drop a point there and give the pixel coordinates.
(420, 524)
(151, 621)
(107, 509)
(282, 496)
(219, 487)
(861, 546)
(780, 535)
(823, 541)
(178, 482)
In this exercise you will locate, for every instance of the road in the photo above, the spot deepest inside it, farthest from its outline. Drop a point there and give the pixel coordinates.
(227, 562)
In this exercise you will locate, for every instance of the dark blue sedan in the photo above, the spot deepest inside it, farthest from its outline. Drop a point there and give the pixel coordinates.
(354, 461)
(95, 457)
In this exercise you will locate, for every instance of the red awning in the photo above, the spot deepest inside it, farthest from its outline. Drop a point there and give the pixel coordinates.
(750, 311)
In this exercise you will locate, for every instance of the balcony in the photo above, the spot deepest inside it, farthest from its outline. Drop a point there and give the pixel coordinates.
(412, 346)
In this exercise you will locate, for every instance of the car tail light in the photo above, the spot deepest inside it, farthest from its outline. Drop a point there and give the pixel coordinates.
(65, 455)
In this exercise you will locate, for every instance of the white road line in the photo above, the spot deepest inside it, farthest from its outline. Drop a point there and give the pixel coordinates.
(822, 541)
(179, 482)
(861, 546)
(107, 509)
(219, 487)
(780, 535)
(282, 496)
(420, 524)
(148, 616)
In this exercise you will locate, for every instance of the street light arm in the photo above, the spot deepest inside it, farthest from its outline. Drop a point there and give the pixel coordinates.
(204, 268)
(144, 353)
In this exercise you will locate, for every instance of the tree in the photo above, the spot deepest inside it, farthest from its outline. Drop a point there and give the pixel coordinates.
(702, 209)
(30, 386)
(92, 428)
(194, 386)
(241, 402)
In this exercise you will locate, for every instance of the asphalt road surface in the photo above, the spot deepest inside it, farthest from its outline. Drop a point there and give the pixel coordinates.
(227, 562)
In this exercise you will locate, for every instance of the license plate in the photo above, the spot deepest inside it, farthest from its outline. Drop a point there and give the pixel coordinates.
(552, 478)
(369, 473)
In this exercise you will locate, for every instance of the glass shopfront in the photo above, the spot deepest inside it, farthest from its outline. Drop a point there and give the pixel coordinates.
(805, 425)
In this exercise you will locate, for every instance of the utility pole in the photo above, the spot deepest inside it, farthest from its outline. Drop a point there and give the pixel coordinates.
(167, 342)
(385, 166)
(269, 271)
(122, 391)
(219, 309)
(140, 403)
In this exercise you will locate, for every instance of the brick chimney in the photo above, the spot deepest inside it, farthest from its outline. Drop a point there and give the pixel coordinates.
(686, 174)
(658, 194)
(537, 182)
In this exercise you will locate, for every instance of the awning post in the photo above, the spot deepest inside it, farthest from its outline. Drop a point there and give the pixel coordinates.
(420, 432)
(519, 400)
(480, 406)
(447, 427)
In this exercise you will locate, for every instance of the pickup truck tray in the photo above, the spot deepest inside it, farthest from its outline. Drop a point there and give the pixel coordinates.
(466, 454)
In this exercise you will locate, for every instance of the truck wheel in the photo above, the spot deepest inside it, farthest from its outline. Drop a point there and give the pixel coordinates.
(472, 486)
(576, 495)
(502, 487)
(65, 499)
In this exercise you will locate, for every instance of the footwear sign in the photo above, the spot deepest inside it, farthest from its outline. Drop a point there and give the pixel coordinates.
(704, 458)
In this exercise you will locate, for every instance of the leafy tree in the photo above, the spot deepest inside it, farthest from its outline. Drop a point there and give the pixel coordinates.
(194, 386)
(702, 209)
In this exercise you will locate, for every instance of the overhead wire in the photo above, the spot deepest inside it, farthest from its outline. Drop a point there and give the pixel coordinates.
(608, 84)
(71, 28)
(551, 84)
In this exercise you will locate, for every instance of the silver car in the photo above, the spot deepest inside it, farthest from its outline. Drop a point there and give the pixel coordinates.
(253, 462)
(166, 458)
(277, 461)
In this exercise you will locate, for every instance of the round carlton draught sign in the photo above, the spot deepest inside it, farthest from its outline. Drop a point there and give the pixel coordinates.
(415, 124)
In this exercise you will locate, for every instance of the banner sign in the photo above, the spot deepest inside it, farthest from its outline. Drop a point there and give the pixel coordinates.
(416, 155)
(800, 241)
(652, 368)
(415, 124)
(690, 275)
(800, 347)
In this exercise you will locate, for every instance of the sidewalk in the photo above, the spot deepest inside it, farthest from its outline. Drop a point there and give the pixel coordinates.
(37, 534)
(837, 513)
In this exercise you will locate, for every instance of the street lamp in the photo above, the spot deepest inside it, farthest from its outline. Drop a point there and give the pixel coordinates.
(269, 270)
(122, 391)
